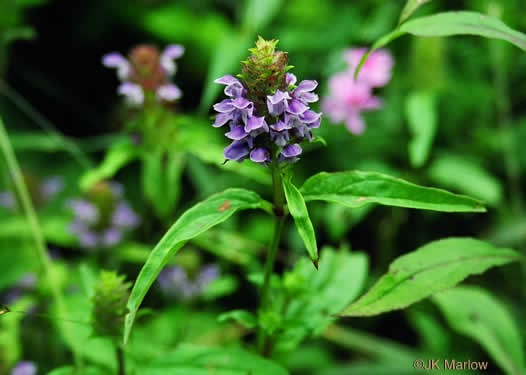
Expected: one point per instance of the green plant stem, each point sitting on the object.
(120, 360)
(38, 236)
(279, 216)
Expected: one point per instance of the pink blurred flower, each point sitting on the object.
(376, 71)
(349, 97)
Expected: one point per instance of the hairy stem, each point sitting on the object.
(279, 216)
(120, 360)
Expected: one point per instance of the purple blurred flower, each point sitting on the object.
(171, 53)
(146, 71)
(106, 225)
(51, 187)
(132, 92)
(349, 97)
(24, 368)
(85, 211)
(124, 217)
(174, 281)
(168, 93)
(119, 62)
(7, 200)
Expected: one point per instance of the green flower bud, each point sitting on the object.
(109, 310)
(264, 71)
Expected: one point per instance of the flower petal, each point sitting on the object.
(260, 155)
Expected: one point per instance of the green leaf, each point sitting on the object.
(421, 115)
(243, 317)
(298, 210)
(195, 360)
(467, 176)
(475, 313)
(316, 295)
(357, 188)
(72, 371)
(196, 220)
(432, 268)
(258, 14)
(410, 7)
(449, 24)
(162, 180)
(116, 157)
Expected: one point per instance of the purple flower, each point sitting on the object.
(7, 200)
(171, 53)
(290, 153)
(234, 88)
(237, 151)
(24, 368)
(277, 103)
(51, 187)
(116, 60)
(234, 110)
(260, 155)
(303, 92)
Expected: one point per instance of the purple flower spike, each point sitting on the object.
(133, 93)
(116, 60)
(171, 53)
(168, 93)
(260, 155)
(266, 111)
(237, 151)
(290, 153)
(24, 368)
(277, 103)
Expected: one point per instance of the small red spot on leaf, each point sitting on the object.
(225, 206)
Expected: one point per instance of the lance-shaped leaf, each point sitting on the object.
(410, 7)
(475, 313)
(357, 188)
(197, 360)
(298, 210)
(452, 23)
(432, 268)
(196, 220)
(116, 158)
